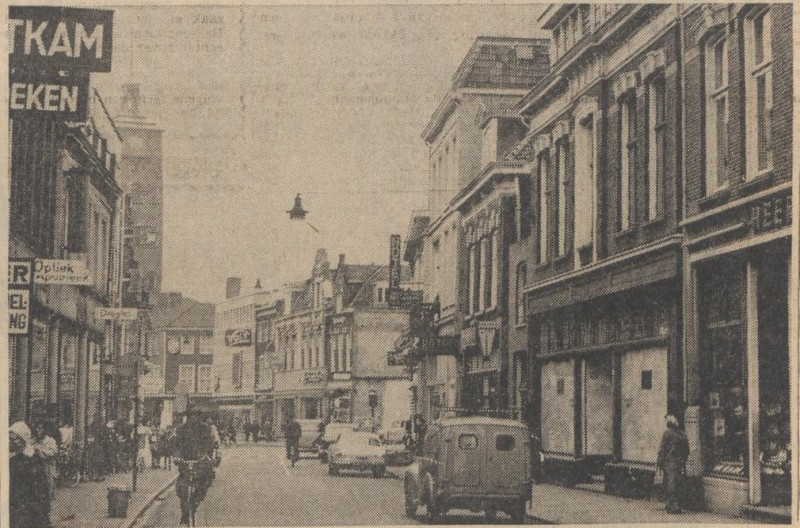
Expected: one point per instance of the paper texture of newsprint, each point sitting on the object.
(380, 264)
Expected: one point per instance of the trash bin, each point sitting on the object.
(118, 499)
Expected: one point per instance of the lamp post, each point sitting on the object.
(143, 305)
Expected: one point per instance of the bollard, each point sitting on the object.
(118, 499)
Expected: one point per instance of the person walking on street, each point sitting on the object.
(255, 430)
(292, 432)
(28, 496)
(46, 447)
(421, 427)
(672, 454)
(247, 430)
(194, 449)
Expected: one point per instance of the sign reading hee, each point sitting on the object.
(20, 287)
(60, 38)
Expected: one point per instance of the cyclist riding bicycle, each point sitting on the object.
(194, 451)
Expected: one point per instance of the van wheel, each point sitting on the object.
(434, 509)
(491, 515)
(411, 499)
(378, 471)
(333, 470)
(518, 511)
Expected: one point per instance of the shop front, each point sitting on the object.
(606, 369)
(299, 394)
(739, 377)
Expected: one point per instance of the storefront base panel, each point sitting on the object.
(724, 496)
(565, 471)
(629, 480)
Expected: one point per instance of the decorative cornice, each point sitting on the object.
(652, 63)
(560, 129)
(585, 107)
(624, 82)
(542, 142)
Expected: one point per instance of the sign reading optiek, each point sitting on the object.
(60, 38)
(50, 271)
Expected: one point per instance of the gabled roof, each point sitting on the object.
(173, 310)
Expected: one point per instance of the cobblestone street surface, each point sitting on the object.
(256, 486)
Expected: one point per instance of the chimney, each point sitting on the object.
(258, 284)
(233, 287)
(341, 260)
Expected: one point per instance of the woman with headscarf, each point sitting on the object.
(29, 501)
(672, 455)
(46, 446)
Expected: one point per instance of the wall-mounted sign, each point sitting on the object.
(239, 337)
(403, 298)
(394, 262)
(314, 376)
(60, 38)
(72, 272)
(20, 287)
(32, 93)
(772, 213)
(116, 314)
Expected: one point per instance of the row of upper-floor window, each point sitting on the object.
(581, 21)
(755, 85)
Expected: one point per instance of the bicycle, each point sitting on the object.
(191, 488)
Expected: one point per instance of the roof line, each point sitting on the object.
(364, 284)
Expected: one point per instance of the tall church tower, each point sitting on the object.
(141, 176)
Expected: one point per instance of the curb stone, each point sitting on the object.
(149, 502)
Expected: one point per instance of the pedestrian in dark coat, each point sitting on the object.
(28, 496)
(194, 446)
(292, 432)
(672, 455)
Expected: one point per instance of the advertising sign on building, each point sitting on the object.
(66, 97)
(20, 286)
(239, 337)
(116, 314)
(60, 38)
(47, 271)
(402, 298)
(394, 262)
(314, 376)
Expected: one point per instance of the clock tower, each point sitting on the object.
(141, 176)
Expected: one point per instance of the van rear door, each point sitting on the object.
(507, 457)
(466, 452)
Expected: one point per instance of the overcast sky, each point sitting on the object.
(259, 103)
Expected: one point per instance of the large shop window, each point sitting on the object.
(758, 90)
(716, 102)
(721, 311)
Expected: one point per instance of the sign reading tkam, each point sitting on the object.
(33, 94)
(20, 285)
(60, 38)
(238, 337)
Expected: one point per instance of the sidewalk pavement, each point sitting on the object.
(86, 505)
(559, 505)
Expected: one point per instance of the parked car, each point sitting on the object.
(309, 435)
(397, 449)
(332, 433)
(357, 451)
(475, 463)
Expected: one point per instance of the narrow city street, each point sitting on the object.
(256, 486)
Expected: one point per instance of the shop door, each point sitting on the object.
(598, 406)
(773, 351)
(644, 403)
(558, 400)
(466, 449)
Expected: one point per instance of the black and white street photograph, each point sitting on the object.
(385, 264)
